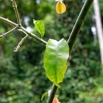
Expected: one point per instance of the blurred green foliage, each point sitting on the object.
(22, 75)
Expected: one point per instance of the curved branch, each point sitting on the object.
(3, 35)
(20, 43)
(34, 36)
(79, 23)
(16, 12)
(21, 27)
(8, 21)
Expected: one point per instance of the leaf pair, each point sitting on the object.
(55, 57)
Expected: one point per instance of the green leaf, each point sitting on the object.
(43, 95)
(55, 60)
(39, 25)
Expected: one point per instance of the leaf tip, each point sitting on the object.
(34, 21)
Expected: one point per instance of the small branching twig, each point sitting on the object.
(8, 21)
(20, 43)
(34, 36)
(23, 29)
(79, 22)
(16, 11)
(3, 35)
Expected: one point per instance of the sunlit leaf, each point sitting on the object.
(55, 60)
(39, 25)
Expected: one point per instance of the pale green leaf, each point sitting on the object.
(39, 25)
(55, 60)
(43, 95)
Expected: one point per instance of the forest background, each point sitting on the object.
(22, 75)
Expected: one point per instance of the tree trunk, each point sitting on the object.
(99, 27)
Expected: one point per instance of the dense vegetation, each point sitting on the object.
(22, 76)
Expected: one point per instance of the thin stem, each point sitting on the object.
(79, 23)
(34, 36)
(20, 43)
(52, 94)
(3, 35)
(16, 12)
(21, 27)
(8, 21)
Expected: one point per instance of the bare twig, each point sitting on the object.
(3, 35)
(16, 11)
(34, 36)
(23, 29)
(20, 43)
(8, 21)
